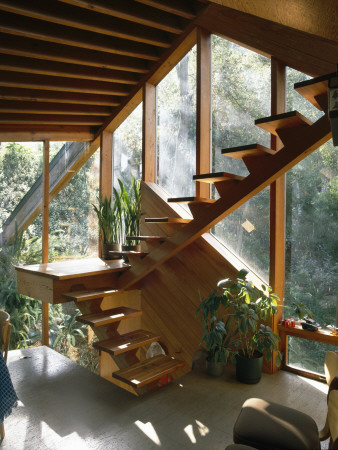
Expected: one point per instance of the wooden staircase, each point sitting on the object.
(300, 137)
(125, 348)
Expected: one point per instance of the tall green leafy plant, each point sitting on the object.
(110, 219)
(131, 201)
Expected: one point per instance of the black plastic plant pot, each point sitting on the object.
(215, 369)
(249, 370)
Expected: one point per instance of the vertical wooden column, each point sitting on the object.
(149, 133)
(45, 236)
(203, 114)
(277, 199)
(106, 163)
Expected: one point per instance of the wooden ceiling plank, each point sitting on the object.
(8, 106)
(49, 119)
(85, 20)
(14, 79)
(177, 7)
(314, 56)
(19, 46)
(132, 12)
(40, 67)
(59, 34)
(14, 133)
(36, 95)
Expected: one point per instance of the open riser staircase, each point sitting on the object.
(300, 137)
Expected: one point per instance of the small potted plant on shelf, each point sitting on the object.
(110, 224)
(245, 337)
(131, 204)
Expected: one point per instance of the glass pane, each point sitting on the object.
(127, 144)
(20, 167)
(241, 94)
(176, 128)
(307, 355)
(311, 236)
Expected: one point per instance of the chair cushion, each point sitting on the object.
(270, 426)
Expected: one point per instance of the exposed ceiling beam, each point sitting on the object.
(36, 95)
(88, 20)
(178, 7)
(49, 119)
(14, 133)
(128, 10)
(32, 65)
(59, 34)
(19, 46)
(14, 79)
(52, 108)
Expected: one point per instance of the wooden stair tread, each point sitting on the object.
(310, 89)
(126, 342)
(109, 316)
(167, 220)
(217, 177)
(247, 150)
(146, 238)
(191, 200)
(147, 371)
(290, 119)
(78, 296)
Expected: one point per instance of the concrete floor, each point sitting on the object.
(64, 406)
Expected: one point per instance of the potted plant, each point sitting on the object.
(214, 335)
(110, 224)
(131, 203)
(247, 338)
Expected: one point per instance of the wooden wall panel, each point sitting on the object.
(170, 294)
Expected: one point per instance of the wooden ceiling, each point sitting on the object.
(66, 65)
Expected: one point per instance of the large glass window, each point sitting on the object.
(127, 145)
(240, 94)
(176, 128)
(311, 236)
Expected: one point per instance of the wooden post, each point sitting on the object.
(203, 114)
(277, 200)
(149, 133)
(45, 235)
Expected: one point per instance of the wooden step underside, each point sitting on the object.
(314, 89)
(147, 239)
(126, 342)
(79, 296)
(167, 220)
(290, 119)
(146, 372)
(109, 316)
(189, 200)
(216, 177)
(247, 151)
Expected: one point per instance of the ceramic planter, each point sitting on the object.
(215, 368)
(106, 248)
(249, 370)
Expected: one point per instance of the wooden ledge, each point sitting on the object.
(318, 336)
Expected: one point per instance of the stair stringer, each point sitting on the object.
(307, 140)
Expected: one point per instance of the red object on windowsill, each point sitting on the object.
(289, 323)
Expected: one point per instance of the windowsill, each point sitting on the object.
(319, 336)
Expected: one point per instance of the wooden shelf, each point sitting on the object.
(312, 89)
(80, 296)
(216, 177)
(189, 200)
(247, 150)
(290, 119)
(147, 239)
(109, 316)
(126, 342)
(167, 220)
(318, 336)
(146, 372)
